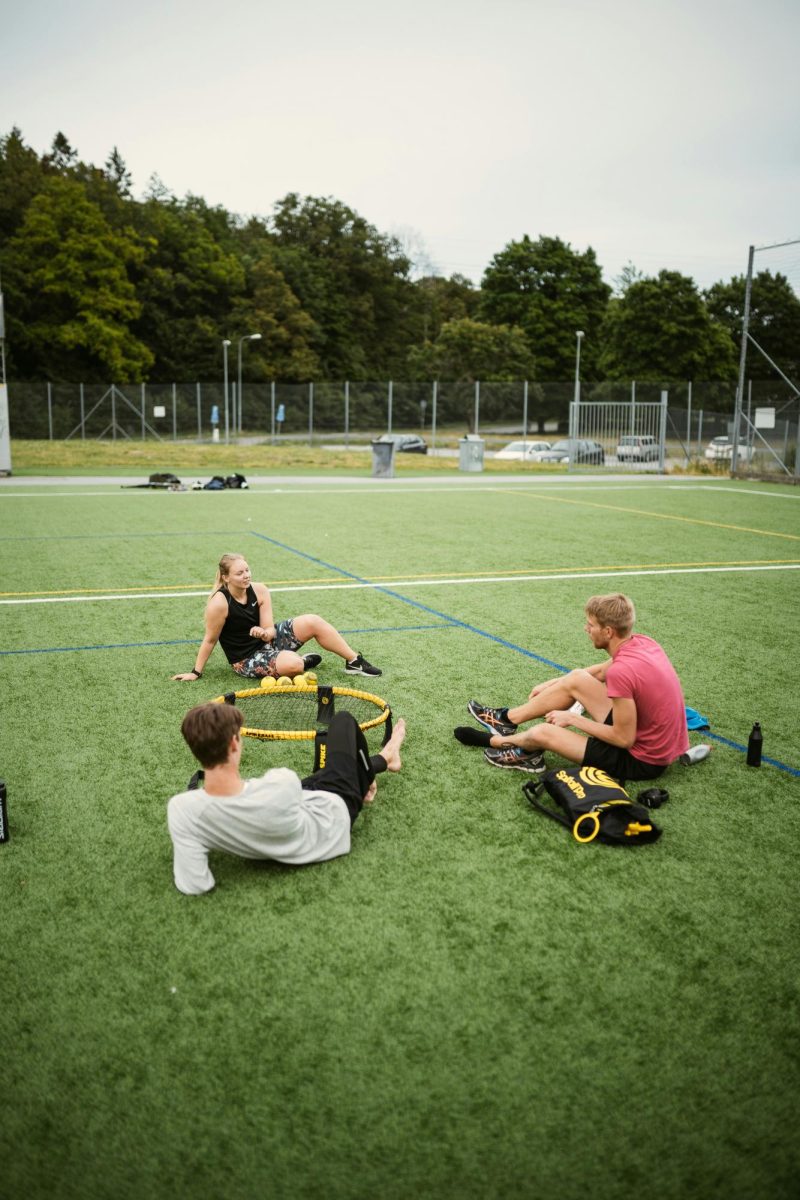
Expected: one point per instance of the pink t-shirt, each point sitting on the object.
(640, 671)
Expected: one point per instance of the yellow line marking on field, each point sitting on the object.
(643, 512)
(146, 589)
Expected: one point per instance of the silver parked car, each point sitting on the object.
(524, 451)
(637, 448)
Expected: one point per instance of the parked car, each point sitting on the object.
(523, 451)
(405, 443)
(637, 448)
(721, 448)
(579, 450)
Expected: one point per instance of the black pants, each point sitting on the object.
(349, 770)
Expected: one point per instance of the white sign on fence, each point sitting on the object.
(765, 418)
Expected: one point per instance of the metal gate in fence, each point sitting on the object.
(627, 435)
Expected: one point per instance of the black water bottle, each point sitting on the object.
(754, 743)
(3, 813)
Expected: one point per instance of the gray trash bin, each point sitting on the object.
(383, 460)
(470, 453)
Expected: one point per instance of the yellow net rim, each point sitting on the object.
(280, 735)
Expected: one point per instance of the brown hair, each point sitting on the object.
(616, 611)
(208, 729)
(224, 570)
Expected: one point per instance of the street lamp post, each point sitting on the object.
(248, 337)
(225, 345)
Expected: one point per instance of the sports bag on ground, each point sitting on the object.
(593, 806)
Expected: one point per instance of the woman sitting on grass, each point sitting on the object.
(239, 617)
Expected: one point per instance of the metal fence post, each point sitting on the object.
(83, 417)
(662, 433)
(272, 410)
(143, 417)
(524, 414)
(113, 413)
(347, 414)
(50, 409)
(174, 412)
(688, 420)
(311, 414)
(433, 413)
(199, 413)
(389, 411)
(477, 406)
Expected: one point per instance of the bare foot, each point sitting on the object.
(371, 792)
(391, 751)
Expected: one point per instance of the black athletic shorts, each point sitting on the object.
(349, 768)
(617, 762)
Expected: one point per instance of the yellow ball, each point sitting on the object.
(299, 681)
(310, 677)
(267, 683)
(285, 681)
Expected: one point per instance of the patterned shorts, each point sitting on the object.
(263, 661)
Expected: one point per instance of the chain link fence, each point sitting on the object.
(700, 416)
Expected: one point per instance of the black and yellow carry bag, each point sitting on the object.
(593, 806)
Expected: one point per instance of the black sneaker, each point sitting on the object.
(491, 718)
(311, 660)
(360, 666)
(516, 759)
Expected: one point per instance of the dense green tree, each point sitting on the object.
(444, 300)
(774, 320)
(354, 283)
(21, 177)
(187, 286)
(466, 350)
(287, 331)
(550, 291)
(70, 301)
(660, 330)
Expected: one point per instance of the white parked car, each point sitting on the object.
(721, 448)
(523, 451)
(638, 448)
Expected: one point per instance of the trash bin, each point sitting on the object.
(470, 453)
(383, 460)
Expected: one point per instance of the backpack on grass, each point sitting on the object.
(593, 806)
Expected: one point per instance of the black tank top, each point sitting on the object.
(235, 638)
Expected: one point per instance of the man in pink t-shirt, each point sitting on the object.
(635, 716)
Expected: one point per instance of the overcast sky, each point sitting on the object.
(661, 132)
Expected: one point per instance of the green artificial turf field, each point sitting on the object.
(470, 1004)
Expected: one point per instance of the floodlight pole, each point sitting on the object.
(225, 344)
(248, 337)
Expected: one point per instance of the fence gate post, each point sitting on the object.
(50, 410)
(662, 433)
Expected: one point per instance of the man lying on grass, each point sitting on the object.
(635, 722)
(278, 816)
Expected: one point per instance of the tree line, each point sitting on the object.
(100, 286)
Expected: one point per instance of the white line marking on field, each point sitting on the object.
(418, 583)
(711, 487)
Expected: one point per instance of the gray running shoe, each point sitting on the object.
(491, 718)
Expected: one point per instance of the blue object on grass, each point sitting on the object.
(694, 720)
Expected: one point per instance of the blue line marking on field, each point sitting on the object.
(491, 637)
(193, 641)
(773, 762)
(86, 537)
(474, 629)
